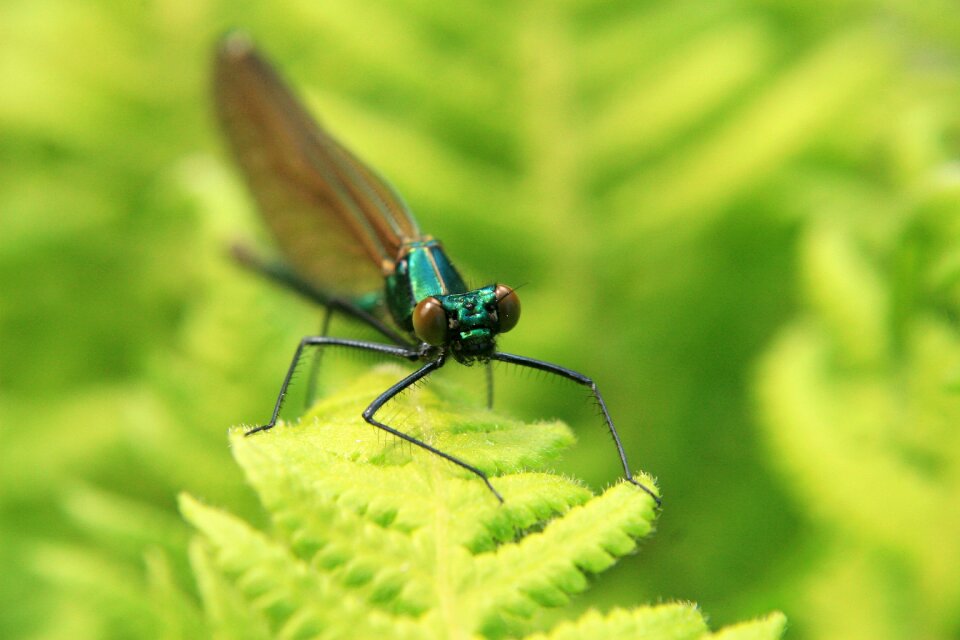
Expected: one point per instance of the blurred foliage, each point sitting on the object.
(861, 406)
(738, 216)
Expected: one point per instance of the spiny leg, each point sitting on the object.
(392, 392)
(325, 341)
(311, 395)
(579, 378)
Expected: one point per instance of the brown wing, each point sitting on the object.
(335, 220)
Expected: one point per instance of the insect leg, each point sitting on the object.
(579, 378)
(325, 341)
(390, 393)
(311, 396)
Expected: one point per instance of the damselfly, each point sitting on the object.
(345, 234)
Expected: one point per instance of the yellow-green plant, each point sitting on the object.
(367, 537)
(660, 163)
(860, 401)
(370, 538)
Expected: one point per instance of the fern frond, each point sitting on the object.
(372, 538)
(664, 622)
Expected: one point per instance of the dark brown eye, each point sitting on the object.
(430, 322)
(508, 305)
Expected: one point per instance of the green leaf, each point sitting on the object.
(371, 537)
(666, 622)
(771, 626)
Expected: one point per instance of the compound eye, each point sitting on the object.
(430, 322)
(508, 307)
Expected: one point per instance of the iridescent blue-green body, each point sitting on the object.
(422, 270)
(346, 235)
(473, 318)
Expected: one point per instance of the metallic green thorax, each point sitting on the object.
(423, 271)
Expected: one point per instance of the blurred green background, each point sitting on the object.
(742, 217)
